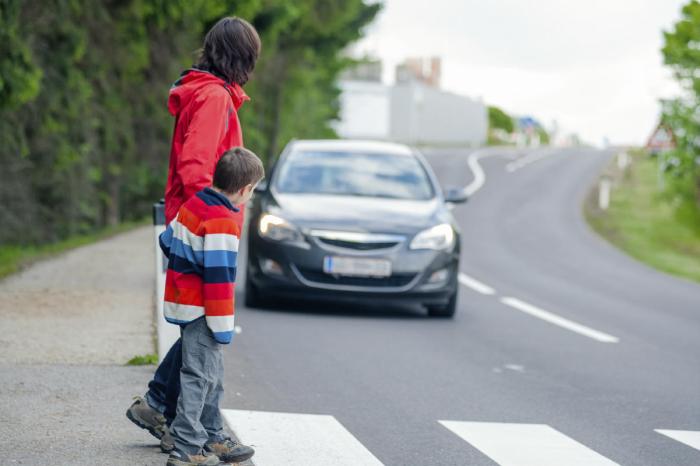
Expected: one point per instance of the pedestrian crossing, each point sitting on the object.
(689, 437)
(293, 439)
(526, 444)
(298, 439)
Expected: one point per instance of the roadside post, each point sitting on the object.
(623, 160)
(604, 193)
(166, 334)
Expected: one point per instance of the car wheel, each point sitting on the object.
(447, 310)
(252, 295)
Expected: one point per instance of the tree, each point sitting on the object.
(84, 129)
(498, 119)
(682, 54)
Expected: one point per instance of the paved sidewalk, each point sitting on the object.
(91, 305)
(67, 326)
(73, 415)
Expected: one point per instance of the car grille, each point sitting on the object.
(395, 280)
(358, 246)
(358, 241)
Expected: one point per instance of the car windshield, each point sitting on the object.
(354, 174)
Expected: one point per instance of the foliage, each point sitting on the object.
(498, 119)
(144, 360)
(84, 129)
(544, 135)
(682, 52)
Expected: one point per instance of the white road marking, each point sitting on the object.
(475, 284)
(515, 367)
(526, 444)
(688, 437)
(559, 321)
(298, 439)
(527, 160)
(479, 176)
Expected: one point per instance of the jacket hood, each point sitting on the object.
(185, 89)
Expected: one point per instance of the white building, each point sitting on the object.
(365, 110)
(422, 114)
(410, 112)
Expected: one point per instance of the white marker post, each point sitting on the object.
(604, 193)
(166, 333)
(623, 159)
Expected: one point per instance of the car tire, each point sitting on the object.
(252, 295)
(445, 311)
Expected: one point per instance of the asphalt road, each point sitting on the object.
(555, 327)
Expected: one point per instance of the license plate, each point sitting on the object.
(354, 266)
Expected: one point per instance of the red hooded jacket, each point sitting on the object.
(206, 125)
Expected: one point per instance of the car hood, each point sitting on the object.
(351, 213)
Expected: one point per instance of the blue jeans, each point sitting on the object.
(164, 389)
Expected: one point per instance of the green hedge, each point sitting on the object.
(84, 130)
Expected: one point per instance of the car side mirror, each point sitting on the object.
(456, 195)
(261, 187)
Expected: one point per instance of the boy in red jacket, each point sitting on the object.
(205, 102)
(201, 244)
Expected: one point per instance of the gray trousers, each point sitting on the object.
(198, 419)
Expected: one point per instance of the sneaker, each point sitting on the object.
(166, 442)
(230, 451)
(179, 458)
(141, 414)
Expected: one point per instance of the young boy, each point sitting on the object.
(201, 244)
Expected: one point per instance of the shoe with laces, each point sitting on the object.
(180, 458)
(141, 414)
(230, 451)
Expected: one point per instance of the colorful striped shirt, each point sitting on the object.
(201, 244)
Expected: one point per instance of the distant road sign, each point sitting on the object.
(661, 139)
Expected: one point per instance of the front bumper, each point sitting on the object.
(302, 276)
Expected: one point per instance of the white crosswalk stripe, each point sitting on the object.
(525, 444)
(319, 440)
(688, 437)
(298, 439)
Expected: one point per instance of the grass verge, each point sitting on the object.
(14, 258)
(145, 360)
(644, 224)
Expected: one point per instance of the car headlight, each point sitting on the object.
(278, 229)
(438, 237)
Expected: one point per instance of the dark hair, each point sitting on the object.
(231, 48)
(237, 168)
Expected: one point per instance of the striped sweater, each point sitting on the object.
(201, 244)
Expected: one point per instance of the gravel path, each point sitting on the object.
(67, 326)
(72, 415)
(92, 305)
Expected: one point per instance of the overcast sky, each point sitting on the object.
(594, 66)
